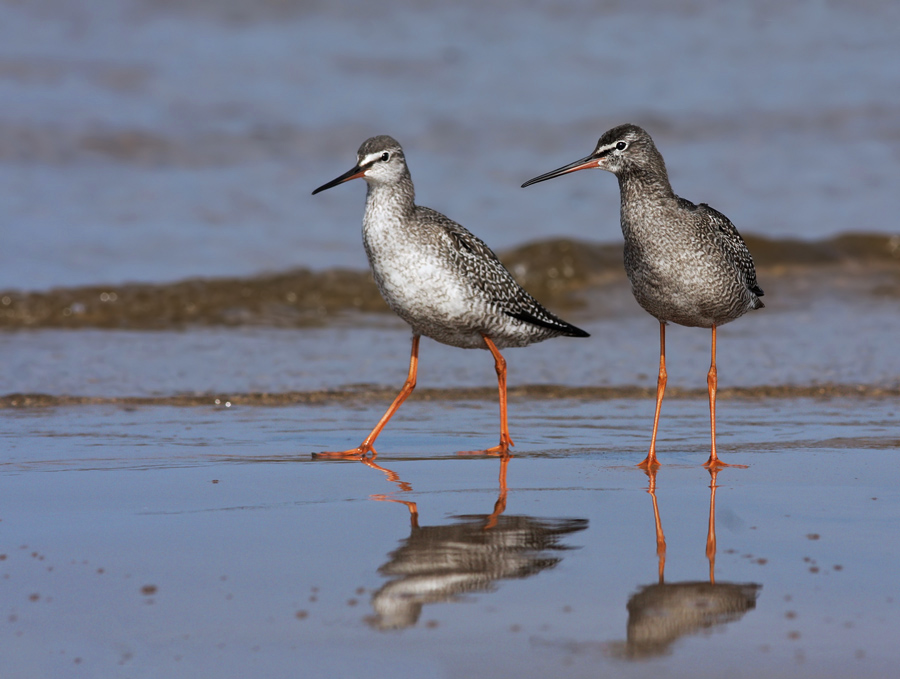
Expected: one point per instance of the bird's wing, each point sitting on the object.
(733, 246)
(484, 270)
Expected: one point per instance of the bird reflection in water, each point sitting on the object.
(661, 613)
(442, 563)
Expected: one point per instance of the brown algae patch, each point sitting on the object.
(293, 299)
(562, 273)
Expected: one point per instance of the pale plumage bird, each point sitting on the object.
(438, 277)
(443, 563)
(687, 263)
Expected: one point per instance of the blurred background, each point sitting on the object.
(153, 140)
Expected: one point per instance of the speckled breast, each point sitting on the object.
(686, 289)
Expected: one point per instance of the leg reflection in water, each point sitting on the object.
(393, 477)
(443, 563)
(661, 613)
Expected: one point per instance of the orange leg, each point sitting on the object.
(500, 365)
(366, 447)
(712, 383)
(650, 461)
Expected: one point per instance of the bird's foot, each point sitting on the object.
(649, 462)
(500, 450)
(361, 452)
(716, 463)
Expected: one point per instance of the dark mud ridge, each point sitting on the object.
(561, 273)
(542, 392)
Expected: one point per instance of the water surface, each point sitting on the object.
(150, 140)
(148, 541)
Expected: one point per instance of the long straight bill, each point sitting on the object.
(353, 173)
(583, 164)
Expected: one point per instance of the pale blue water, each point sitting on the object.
(237, 531)
(151, 140)
(821, 343)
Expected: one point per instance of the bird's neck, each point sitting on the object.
(387, 219)
(645, 193)
(389, 202)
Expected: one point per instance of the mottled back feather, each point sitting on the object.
(484, 270)
(733, 246)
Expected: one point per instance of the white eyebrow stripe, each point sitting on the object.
(605, 149)
(369, 159)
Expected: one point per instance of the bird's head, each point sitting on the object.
(623, 148)
(379, 161)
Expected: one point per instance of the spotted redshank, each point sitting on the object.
(687, 263)
(438, 277)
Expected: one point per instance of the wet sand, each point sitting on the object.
(183, 542)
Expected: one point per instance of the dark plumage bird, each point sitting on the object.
(687, 263)
(438, 277)
(661, 613)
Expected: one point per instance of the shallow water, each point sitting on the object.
(151, 140)
(802, 339)
(186, 542)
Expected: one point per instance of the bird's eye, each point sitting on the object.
(385, 156)
(621, 146)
